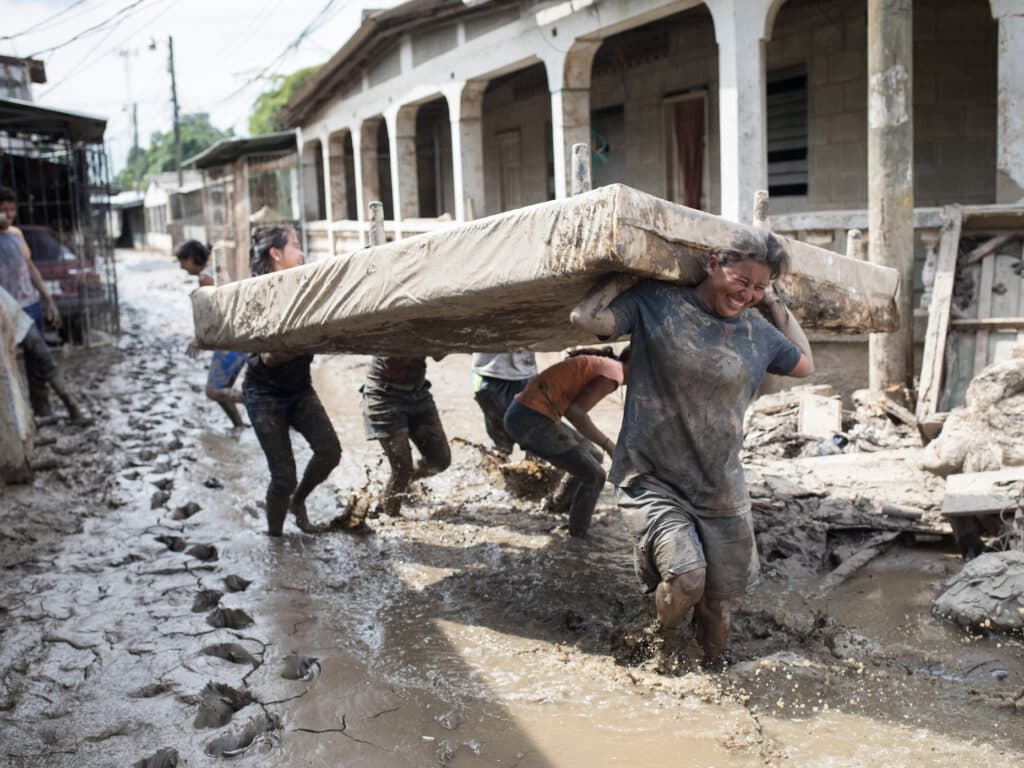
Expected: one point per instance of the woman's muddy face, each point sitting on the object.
(289, 256)
(735, 287)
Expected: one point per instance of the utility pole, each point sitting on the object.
(127, 55)
(174, 103)
(136, 159)
(891, 178)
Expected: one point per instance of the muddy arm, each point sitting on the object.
(592, 314)
(778, 314)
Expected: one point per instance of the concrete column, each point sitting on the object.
(364, 145)
(891, 178)
(357, 162)
(1010, 128)
(402, 132)
(337, 195)
(740, 30)
(465, 112)
(325, 157)
(569, 81)
(395, 158)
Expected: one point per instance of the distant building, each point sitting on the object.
(17, 76)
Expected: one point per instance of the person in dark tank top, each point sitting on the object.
(279, 395)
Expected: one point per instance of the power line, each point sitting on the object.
(116, 16)
(45, 24)
(293, 45)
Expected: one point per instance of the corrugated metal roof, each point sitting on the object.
(228, 150)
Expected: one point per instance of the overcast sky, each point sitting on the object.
(218, 46)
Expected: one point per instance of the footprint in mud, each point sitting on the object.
(297, 667)
(159, 499)
(213, 482)
(164, 483)
(229, 618)
(150, 691)
(162, 758)
(256, 731)
(173, 543)
(172, 443)
(206, 600)
(231, 652)
(218, 703)
(235, 583)
(204, 552)
(185, 511)
(128, 559)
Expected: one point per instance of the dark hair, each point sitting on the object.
(758, 245)
(195, 251)
(7, 195)
(622, 357)
(263, 239)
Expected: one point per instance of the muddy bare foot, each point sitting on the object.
(302, 521)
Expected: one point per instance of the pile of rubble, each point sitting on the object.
(878, 422)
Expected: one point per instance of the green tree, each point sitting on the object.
(266, 111)
(197, 134)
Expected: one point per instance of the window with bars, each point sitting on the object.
(787, 131)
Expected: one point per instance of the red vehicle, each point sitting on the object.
(75, 288)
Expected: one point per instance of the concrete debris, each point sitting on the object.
(987, 594)
(988, 433)
(773, 425)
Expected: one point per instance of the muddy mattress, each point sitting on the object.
(509, 281)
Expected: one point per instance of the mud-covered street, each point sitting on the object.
(147, 618)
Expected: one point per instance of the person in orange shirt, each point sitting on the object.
(570, 389)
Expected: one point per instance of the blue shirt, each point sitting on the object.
(691, 376)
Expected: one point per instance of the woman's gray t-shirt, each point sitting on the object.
(691, 376)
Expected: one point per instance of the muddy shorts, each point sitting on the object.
(391, 411)
(671, 540)
(224, 369)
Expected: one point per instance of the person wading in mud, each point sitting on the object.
(570, 389)
(20, 278)
(194, 258)
(698, 356)
(499, 378)
(279, 395)
(398, 409)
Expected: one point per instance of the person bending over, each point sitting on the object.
(570, 389)
(194, 258)
(279, 395)
(698, 356)
(398, 409)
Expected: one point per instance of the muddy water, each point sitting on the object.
(472, 631)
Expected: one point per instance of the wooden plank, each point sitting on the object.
(989, 246)
(988, 268)
(930, 386)
(979, 493)
(987, 324)
(1005, 303)
(1020, 306)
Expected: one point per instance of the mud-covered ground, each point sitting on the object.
(143, 609)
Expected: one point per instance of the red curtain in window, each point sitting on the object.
(689, 118)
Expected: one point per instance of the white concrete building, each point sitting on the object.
(470, 108)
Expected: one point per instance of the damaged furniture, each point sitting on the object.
(507, 282)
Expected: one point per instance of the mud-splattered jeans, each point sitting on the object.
(566, 449)
(272, 412)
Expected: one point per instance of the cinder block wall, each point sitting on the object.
(954, 99)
